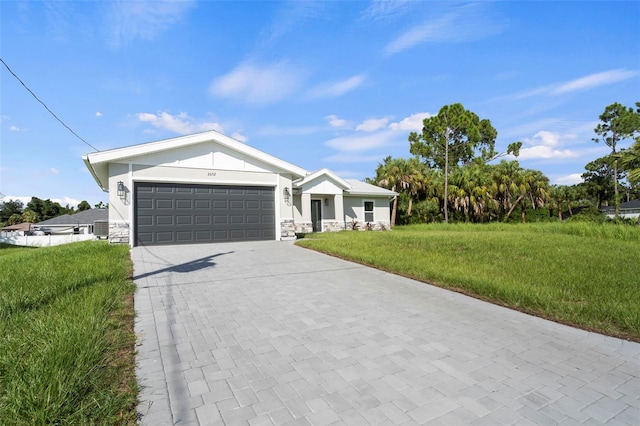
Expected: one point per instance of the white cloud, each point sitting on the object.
(98, 114)
(131, 20)
(372, 124)
(286, 131)
(341, 158)
(181, 124)
(339, 88)
(587, 82)
(14, 129)
(254, 84)
(372, 134)
(546, 145)
(465, 23)
(594, 80)
(358, 142)
(54, 171)
(240, 137)
(571, 179)
(384, 9)
(413, 123)
(337, 123)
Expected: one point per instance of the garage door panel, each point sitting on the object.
(203, 204)
(184, 220)
(222, 235)
(164, 220)
(184, 236)
(220, 220)
(164, 237)
(164, 204)
(184, 204)
(145, 203)
(203, 220)
(186, 213)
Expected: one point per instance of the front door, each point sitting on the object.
(316, 215)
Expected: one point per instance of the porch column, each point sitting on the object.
(306, 207)
(339, 206)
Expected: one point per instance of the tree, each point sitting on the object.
(29, 216)
(83, 206)
(9, 208)
(399, 175)
(452, 137)
(46, 209)
(629, 160)
(617, 124)
(598, 180)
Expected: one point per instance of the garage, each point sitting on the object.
(176, 213)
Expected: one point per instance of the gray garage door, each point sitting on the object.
(170, 213)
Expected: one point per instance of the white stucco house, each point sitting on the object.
(208, 187)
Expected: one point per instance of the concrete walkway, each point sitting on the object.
(269, 333)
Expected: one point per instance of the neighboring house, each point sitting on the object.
(208, 187)
(629, 210)
(79, 223)
(20, 229)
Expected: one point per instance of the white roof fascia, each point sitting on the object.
(119, 154)
(104, 186)
(361, 189)
(341, 182)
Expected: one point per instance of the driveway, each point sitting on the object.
(269, 333)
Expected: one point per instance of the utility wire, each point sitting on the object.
(45, 106)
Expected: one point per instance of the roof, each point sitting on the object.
(91, 215)
(633, 204)
(323, 172)
(87, 217)
(362, 188)
(25, 226)
(98, 162)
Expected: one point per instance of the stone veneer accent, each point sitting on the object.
(118, 233)
(303, 227)
(287, 229)
(332, 226)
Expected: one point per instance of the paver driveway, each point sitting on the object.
(270, 333)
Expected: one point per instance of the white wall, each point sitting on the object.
(46, 240)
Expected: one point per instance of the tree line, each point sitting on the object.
(37, 210)
(450, 178)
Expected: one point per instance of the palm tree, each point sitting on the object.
(394, 174)
(630, 161)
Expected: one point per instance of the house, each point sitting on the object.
(20, 229)
(629, 210)
(80, 223)
(208, 187)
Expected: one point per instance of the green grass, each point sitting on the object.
(66, 335)
(586, 275)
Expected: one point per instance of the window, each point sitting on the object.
(368, 211)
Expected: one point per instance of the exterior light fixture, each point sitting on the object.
(121, 193)
(286, 194)
(326, 201)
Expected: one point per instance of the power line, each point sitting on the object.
(45, 106)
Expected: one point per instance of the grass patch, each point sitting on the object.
(66, 333)
(580, 274)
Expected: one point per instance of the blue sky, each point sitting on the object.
(319, 84)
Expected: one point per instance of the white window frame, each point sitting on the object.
(372, 211)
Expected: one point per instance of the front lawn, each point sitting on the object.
(66, 335)
(586, 275)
